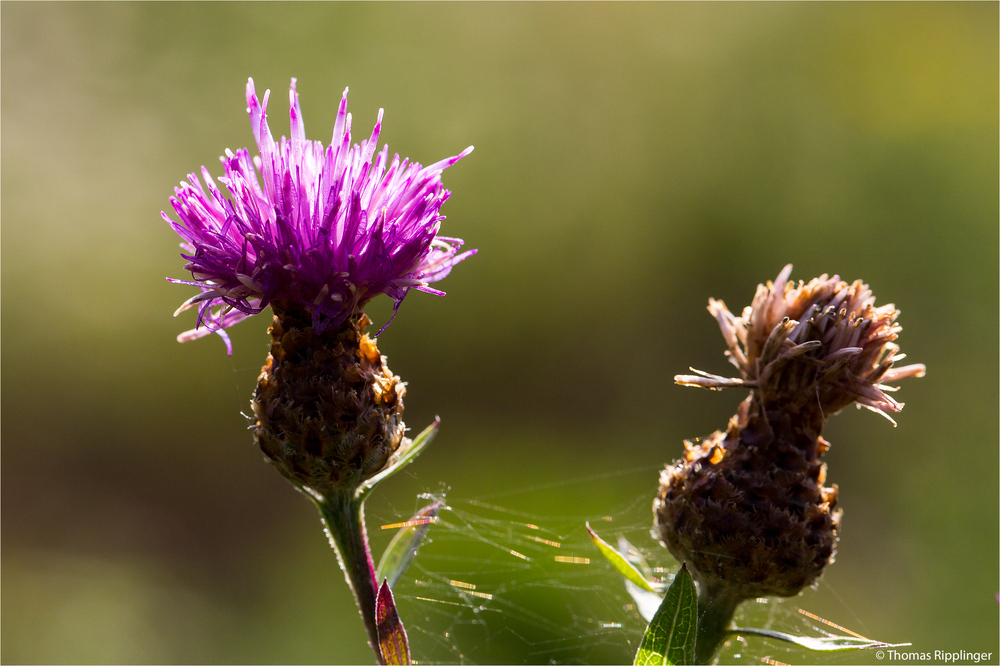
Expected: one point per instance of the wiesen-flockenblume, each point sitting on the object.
(746, 507)
(321, 228)
(315, 232)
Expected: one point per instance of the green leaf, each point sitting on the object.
(632, 554)
(403, 547)
(646, 602)
(670, 637)
(621, 565)
(392, 643)
(408, 452)
(819, 644)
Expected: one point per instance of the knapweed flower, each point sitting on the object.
(319, 228)
(315, 232)
(746, 508)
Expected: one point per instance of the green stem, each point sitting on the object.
(344, 517)
(715, 611)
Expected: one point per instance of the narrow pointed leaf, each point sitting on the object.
(819, 644)
(646, 602)
(621, 565)
(403, 547)
(670, 636)
(392, 643)
(632, 554)
(409, 451)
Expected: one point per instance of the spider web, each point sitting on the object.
(493, 583)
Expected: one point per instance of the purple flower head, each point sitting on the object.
(324, 228)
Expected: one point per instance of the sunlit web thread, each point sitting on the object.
(772, 662)
(470, 607)
(592, 478)
(459, 626)
(832, 624)
(471, 543)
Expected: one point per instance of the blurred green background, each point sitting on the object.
(631, 161)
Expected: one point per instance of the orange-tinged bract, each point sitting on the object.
(329, 413)
(746, 508)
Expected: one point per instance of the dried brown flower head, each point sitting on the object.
(746, 508)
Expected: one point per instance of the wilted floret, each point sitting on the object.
(823, 342)
(325, 228)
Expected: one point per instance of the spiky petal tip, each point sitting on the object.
(326, 228)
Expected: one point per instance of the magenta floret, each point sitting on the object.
(325, 227)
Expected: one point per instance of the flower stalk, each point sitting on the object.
(343, 517)
(715, 611)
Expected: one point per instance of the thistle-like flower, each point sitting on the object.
(746, 508)
(315, 232)
(315, 228)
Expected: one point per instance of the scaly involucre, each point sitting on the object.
(323, 227)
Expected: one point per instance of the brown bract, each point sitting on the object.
(329, 413)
